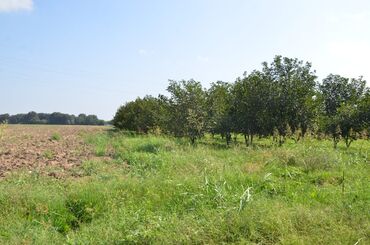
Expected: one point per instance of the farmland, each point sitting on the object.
(91, 185)
(43, 148)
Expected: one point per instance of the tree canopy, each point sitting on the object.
(284, 99)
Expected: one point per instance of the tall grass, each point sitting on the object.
(164, 191)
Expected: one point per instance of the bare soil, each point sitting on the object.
(44, 148)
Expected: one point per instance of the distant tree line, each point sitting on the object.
(53, 118)
(283, 100)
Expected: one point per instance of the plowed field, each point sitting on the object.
(41, 148)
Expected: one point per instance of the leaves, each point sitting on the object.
(283, 100)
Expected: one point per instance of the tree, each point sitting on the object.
(31, 118)
(341, 97)
(4, 118)
(186, 109)
(43, 118)
(219, 114)
(15, 119)
(140, 115)
(58, 118)
(364, 112)
(292, 87)
(334, 90)
(348, 121)
(80, 119)
(90, 120)
(251, 101)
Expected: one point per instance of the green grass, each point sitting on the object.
(164, 191)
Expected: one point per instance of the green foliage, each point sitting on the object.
(140, 115)
(220, 110)
(186, 109)
(283, 100)
(250, 104)
(364, 111)
(292, 86)
(4, 118)
(341, 98)
(337, 90)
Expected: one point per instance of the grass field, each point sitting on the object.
(159, 190)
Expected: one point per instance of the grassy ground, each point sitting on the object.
(147, 189)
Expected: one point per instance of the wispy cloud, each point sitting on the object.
(15, 5)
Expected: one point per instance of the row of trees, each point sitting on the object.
(283, 100)
(53, 118)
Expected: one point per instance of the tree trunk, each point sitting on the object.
(246, 139)
(228, 138)
(304, 131)
(281, 140)
(192, 139)
(348, 141)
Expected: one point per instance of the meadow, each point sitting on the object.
(150, 189)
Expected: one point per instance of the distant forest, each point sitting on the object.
(53, 118)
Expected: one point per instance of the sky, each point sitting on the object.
(91, 56)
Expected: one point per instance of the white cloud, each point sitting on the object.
(202, 59)
(15, 5)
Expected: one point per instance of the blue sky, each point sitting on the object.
(91, 56)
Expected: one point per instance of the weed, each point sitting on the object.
(48, 154)
(81, 211)
(56, 137)
(89, 168)
(245, 198)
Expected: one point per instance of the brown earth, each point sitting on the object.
(43, 148)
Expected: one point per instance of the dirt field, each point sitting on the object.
(44, 148)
